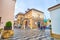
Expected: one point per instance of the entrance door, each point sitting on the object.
(27, 25)
(38, 24)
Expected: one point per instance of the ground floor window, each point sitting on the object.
(0, 20)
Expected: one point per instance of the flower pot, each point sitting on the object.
(7, 28)
(5, 35)
(11, 32)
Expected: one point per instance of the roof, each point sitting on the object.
(33, 9)
(54, 7)
(20, 13)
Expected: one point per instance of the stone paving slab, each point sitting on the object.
(30, 35)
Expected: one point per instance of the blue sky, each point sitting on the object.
(43, 5)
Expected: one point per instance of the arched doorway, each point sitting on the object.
(26, 23)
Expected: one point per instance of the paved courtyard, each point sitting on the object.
(33, 34)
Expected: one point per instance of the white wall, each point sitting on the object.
(55, 18)
(7, 14)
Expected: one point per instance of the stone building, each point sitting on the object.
(32, 19)
(6, 11)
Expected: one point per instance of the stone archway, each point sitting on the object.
(26, 23)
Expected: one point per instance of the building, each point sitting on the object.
(55, 20)
(31, 19)
(6, 11)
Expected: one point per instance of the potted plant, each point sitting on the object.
(8, 25)
(8, 32)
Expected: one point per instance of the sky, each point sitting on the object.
(42, 5)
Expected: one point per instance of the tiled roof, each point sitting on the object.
(34, 9)
(20, 13)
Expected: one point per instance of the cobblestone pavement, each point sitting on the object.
(33, 34)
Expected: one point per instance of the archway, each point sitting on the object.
(26, 24)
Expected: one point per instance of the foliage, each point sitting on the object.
(8, 24)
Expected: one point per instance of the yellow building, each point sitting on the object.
(30, 19)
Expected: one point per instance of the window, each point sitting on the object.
(0, 19)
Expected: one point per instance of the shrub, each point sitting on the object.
(8, 24)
